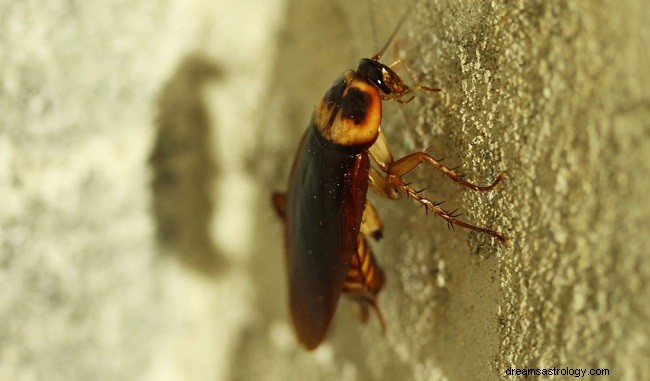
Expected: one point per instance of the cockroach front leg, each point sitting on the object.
(392, 183)
(400, 60)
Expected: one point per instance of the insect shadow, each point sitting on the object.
(183, 170)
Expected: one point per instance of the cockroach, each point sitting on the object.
(326, 215)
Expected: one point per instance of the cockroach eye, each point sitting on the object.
(377, 79)
(373, 72)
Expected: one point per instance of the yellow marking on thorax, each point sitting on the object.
(339, 129)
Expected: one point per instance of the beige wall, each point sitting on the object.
(138, 145)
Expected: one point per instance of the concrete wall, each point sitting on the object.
(139, 143)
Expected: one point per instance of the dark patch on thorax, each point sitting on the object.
(354, 105)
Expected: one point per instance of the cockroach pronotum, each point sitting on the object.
(326, 214)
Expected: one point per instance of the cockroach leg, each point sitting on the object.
(397, 56)
(377, 182)
(365, 280)
(399, 60)
(380, 152)
(280, 203)
(371, 225)
(406, 164)
(402, 101)
(450, 217)
(413, 89)
(391, 184)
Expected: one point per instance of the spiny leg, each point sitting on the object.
(406, 164)
(391, 184)
(450, 217)
(381, 154)
(365, 280)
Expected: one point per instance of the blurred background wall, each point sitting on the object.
(139, 143)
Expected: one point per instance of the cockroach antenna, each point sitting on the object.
(373, 25)
(378, 54)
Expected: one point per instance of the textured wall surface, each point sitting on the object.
(139, 144)
(120, 255)
(554, 94)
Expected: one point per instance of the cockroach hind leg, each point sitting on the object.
(362, 308)
(280, 203)
(380, 316)
(364, 281)
(450, 217)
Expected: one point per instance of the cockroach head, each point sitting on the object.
(382, 77)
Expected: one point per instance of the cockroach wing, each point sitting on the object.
(327, 193)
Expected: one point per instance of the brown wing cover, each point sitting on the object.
(324, 205)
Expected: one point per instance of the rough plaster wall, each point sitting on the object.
(555, 94)
(113, 263)
(120, 121)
